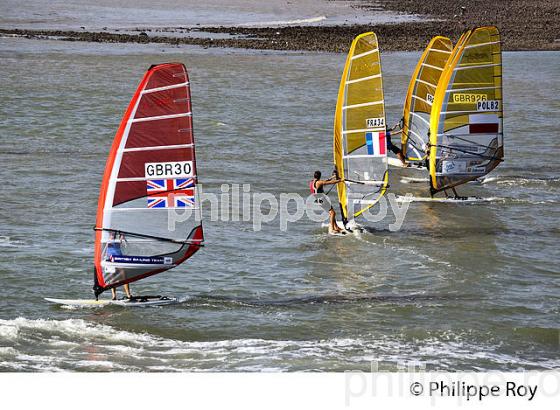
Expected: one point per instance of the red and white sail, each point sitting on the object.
(148, 217)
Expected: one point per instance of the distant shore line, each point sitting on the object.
(394, 37)
(532, 26)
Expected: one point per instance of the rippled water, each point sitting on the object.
(73, 14)
(459, 287)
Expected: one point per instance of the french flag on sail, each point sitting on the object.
(376, 144)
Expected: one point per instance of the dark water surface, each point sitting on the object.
(459, 287)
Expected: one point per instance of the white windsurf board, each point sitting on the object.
(395, 162)
(136, 301)
(460, 200)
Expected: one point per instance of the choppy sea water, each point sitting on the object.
(459, 287)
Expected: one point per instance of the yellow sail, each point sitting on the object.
(420, 97)
(466, 123)
(360, 151)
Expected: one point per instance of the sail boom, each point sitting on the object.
(368, 182)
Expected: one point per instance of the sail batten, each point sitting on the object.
(494, 87)
(157, 147)
(371, 77)
(150, 171)
(167, 87)
(418, 80)
(346, 107)
(482, 44)
(432, 66)
(367, 53)
(161, 117)
(474, 65)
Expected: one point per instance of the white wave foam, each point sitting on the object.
(8, 331)
(488, 180)
(79, 307)
(519, 181)
(413, 180)
(7, 242)
(278, 23)
(102, 347)
(8, 352)
(532, 202)
(452, 201)
(75, 329)
(97, 365)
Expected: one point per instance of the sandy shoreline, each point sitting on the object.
(531, 25)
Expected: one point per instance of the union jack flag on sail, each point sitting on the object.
(170, 193)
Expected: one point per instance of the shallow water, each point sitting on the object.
(73, 14)
(459, 287)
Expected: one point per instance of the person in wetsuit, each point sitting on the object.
(393, 148)
(316, 186)
(114, 248)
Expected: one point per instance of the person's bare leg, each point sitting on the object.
(400, 156)
(127, 291)
(113, 294)
(332, 220)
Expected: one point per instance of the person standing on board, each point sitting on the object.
(316, 186)
(393, 148)
(114, 248)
